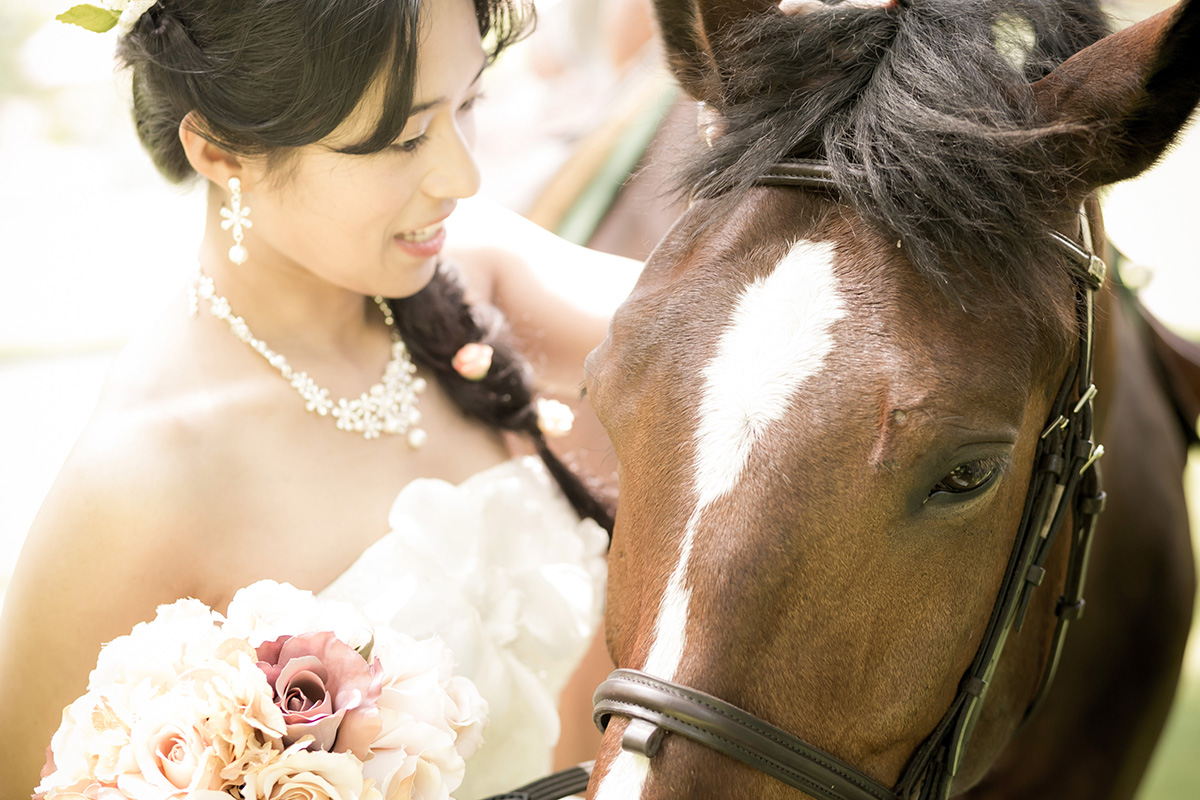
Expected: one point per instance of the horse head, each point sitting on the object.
(828, 403)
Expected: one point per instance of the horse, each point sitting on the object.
(861, 387)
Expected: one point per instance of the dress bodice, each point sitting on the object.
(504, 571)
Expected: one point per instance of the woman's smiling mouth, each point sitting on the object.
(423, 243)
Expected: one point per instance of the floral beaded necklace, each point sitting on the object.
(389, 406)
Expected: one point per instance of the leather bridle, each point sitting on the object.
(1066, 481)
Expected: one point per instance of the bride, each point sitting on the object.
(335, 140)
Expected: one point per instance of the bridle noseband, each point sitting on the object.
(1066, 479)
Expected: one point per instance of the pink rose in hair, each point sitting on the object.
(473, 361)
(325, 690)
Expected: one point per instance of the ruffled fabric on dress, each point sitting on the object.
(503, 570)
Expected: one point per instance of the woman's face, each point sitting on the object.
(372, 223)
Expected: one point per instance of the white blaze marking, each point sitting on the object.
(778, 336)
(625, 778)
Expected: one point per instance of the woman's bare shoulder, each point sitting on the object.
(122, 530)
(132, 492)
(126, 502)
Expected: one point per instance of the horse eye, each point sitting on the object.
(967, 477)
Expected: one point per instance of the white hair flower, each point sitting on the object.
(554, 418)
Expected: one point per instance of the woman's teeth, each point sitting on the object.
(423, 235)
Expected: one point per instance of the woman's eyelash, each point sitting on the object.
(471, 101)
(410, 145)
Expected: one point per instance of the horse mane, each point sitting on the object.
(924, 111)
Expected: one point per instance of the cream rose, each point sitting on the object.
(171, 750)
(301, 774)
(244, 724)
(418, 779)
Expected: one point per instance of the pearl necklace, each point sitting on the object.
(389, 406)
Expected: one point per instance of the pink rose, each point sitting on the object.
(325, 690)
(473, 361)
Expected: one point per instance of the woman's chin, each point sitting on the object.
(412, 280)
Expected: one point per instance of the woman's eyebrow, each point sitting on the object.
(422, 107)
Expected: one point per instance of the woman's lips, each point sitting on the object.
(423, 243)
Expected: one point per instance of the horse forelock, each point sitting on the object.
(926, 115)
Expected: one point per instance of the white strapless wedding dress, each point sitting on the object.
(504, 571)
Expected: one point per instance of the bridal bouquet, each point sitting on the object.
(286, 697)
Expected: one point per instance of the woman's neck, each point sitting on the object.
(282, 302)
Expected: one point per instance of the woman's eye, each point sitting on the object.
(967, 477)
(410, 145)
(469, 104)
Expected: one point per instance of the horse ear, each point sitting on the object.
(1122, 100)
(689, 27)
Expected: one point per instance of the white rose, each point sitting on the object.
(298, 774)
(467, 713)
(92, 741)
(432, 720)
(555, 419)
(266, 610)
(182, 635)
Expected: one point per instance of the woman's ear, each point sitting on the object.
(206, 158)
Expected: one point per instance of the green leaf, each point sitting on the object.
(90, 17)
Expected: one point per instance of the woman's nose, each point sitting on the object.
(454, 173)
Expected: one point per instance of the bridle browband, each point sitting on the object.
(1066, 479)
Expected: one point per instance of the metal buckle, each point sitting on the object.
(642, 737)
(1097, 270)
(1095, 455)
(1089, 266)
(1061, 422)
(1087, 396)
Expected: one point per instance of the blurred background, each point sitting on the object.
(94, 241)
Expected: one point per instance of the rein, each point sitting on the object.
(1066, 479)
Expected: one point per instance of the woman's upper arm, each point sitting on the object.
(97, 560)
(557, 297)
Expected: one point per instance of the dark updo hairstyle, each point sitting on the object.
(265, 76)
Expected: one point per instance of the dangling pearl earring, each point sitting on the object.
(237, 218)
